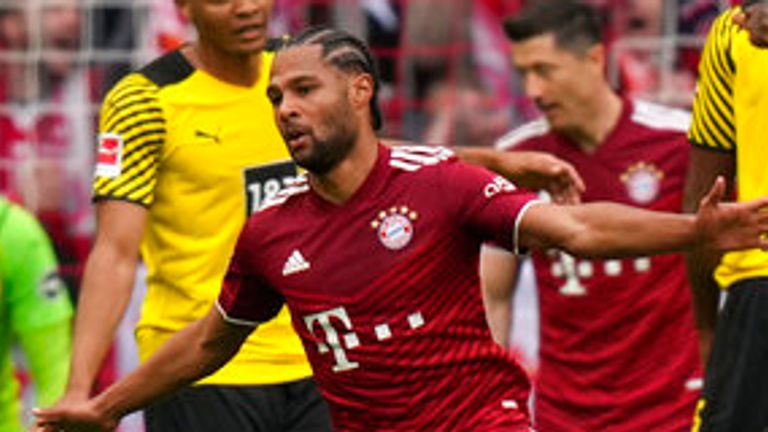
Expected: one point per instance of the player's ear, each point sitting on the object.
(361, 90)
(596, 53)
(740, 19)
(597, 56)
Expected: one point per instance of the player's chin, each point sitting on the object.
(250, 46)
(301, 155)
(760, 42)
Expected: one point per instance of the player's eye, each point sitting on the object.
(304, 90)
(274, 96)
(544, 71)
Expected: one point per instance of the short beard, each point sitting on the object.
(327, 153)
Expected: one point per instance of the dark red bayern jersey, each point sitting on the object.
(384, 292)
(618, 347)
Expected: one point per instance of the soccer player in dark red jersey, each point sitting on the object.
(607, 326)
(376, 253)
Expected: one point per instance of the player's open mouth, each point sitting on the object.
(250, 32)
(295, 137)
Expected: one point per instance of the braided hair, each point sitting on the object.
(747, 3)
(347, 53)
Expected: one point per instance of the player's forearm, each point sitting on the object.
(499, 321)
(104, 296)
(705, 296)
(477, 155)
(530, 169)
(613, 230)
(498, 273)
(511, 166)
(188, 356)
(704, 289)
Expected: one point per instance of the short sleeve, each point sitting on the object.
(489, 205)
(245, 297)
(33, 293)
(131, 134)
(712, 124)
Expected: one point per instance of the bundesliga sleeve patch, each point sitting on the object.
(51, 286)
(109, 159)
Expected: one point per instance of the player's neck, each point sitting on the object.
(341, 183)
(236, 69)
(598, 121)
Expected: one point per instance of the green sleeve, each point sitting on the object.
(36, 304)
(48, 351)
(34, 295)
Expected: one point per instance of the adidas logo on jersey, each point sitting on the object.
(295, 263)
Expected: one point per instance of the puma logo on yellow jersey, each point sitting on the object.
(207, 136)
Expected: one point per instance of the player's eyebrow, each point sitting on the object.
(292, 81)
(301, 79)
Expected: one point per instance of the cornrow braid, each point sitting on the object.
(347, 53)
(747, 3)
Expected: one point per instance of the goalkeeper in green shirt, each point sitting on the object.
(35, 313)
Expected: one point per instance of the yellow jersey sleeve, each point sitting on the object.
(132, 131)
(713, 123)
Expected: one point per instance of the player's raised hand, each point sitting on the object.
(731, 226)
(542, 171)
(531, 170)
(73, 417)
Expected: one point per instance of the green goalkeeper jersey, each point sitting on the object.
(35, 313)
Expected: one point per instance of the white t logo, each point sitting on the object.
(572, 286)
(332, 336)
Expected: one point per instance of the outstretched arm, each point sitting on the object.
(193, 353)
(615, 230)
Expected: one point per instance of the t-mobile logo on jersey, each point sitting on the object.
(382, 332)
(332, 339)
(574, 271)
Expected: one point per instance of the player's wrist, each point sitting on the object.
(81, 382)
(107, 408)
(485, 157)
(78, 391)
(698, 235)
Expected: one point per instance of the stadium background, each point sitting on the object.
(444, 66)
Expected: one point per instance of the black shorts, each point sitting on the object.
(291, 407)
(735, 395)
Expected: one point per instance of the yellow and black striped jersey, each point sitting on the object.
(200, 154)
(729, 114)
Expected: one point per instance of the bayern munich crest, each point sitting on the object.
(643, 181)
(394, 227)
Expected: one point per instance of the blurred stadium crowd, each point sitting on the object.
(444, 65)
